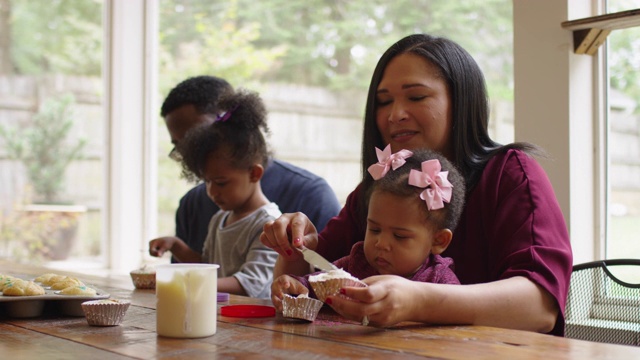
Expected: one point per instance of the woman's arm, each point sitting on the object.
(292, 231)
(515, 303)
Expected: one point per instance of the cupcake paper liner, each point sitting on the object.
(143, 280)
(325, 288)
(105, 312)
(300, 307)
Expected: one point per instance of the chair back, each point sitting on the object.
(601, 307)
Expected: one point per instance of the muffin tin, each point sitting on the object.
(34, 306)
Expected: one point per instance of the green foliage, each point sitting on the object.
(57, 36)
(326, 43)
(624, 67)
(43, 146)
(217, 44)
(329, 43)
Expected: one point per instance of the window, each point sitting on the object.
(119, 59)
(623, 145)
(51, 131)
(611, 85)
(613, 88)
(312, 68)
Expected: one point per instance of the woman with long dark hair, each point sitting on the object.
(511, 248)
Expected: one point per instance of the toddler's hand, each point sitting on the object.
(157, 247)
(285, 284)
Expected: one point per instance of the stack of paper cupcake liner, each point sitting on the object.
(331, 287)
(300, 307)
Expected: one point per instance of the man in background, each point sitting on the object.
(193, 103)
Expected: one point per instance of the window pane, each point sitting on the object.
(51, 122)
(312, 61)
(623, 203)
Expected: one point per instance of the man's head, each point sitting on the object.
(191, 103)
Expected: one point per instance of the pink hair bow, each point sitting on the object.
(386, 160)
(438, 188)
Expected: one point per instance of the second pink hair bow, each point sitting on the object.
(387, 161)
(438, 188)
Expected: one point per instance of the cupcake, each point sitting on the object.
(78, 290)
(65, 283)
(6, 280)
(144, 278)
(107, 312)
(300, 307)
(19, 287)
(45, 278)
(329, 283)
(50, 280)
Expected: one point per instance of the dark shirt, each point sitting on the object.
(290, 187)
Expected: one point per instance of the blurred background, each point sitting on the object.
(310, 60)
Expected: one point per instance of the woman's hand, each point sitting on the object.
(514, 303)
(387, 300)
(285, 284)
(288, 233)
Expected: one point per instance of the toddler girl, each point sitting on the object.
(413, 207)
(231, 155)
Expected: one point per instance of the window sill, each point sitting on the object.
(589, 33)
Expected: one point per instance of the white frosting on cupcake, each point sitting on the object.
(332, 274)
(145, 269)
(329, 283)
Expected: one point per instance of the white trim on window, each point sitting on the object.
(152, 111)
(129, 89)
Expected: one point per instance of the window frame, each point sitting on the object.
(130, 75)
(564, 118)
(577, 134)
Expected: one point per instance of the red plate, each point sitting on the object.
(248, 311)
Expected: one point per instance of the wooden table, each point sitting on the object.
(329, 337)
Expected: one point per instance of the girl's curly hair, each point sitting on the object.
(239, 130)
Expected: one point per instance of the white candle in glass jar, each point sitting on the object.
(186, 300)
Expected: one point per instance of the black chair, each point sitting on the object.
(601, 307)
